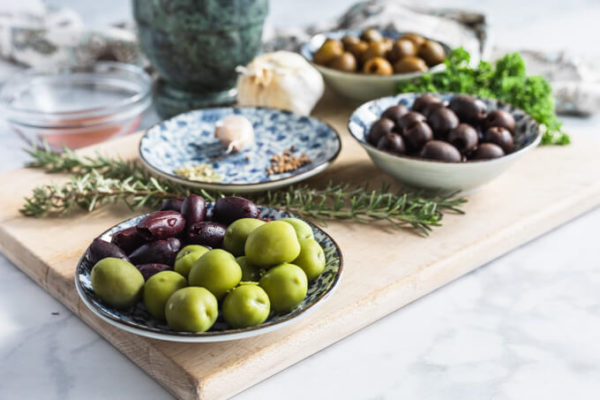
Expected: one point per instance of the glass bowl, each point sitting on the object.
(76, 107)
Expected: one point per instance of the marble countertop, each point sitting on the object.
(524, 326)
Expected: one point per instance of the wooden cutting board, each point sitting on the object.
(384, 269)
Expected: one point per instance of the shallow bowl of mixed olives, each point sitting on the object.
(198, 271)
(364, 65)
(448, 141)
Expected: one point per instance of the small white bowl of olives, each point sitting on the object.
(450, 142)
(365, 65)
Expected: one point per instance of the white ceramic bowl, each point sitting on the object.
(438, 175)
(356, 86)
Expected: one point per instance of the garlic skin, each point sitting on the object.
(235, 132)
(281, 79)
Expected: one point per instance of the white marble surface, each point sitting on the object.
(525, 326)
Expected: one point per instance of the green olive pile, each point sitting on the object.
(459, 131)
(234, 264)
(372, 53)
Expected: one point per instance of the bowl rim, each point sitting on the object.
(23, 79)
(305, 51)
(209, 336)
(315, 169)
(368, 146)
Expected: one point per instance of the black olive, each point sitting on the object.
(468, 109)
(395, 113)
(464, 138)
(431, 107)
(409, 119)
(393, 143)
(424, 100)
(442, 120)
(487, 151)
(499, 136)
(442, 151)
(417, 135)
(380, 128)
(500, 118)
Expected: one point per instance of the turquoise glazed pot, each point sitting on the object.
(196, 45)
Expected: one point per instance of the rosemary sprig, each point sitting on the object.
(96, 181)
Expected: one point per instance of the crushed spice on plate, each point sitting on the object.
(287, 162)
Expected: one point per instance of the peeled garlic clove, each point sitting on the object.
(235, 132)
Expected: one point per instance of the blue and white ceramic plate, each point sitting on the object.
(137, 319)
(188, 139)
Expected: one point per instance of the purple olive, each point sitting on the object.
(173, 204)
(193, 209)
(442, 151)
(442, 120)
(424, 101)
(100, 249)
(380, 128)
(128, 239)
(161, 225)
(487, 151)
(394, 113)
(409, 119)
(148, 270)
(392, 143)
(229, 209)
(500, 118)
(468, 109)
(464, 137)
(160, 252)
(207, 233)
(501, 137)
(417, 135)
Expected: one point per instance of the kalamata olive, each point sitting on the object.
(408, 119)
(418, 40)
(424, 100)
(229, 209)
(159, 252)
(206, 233)
(468, 109)
(442, 151)
(432, 52)
(488, 151)
(500, 118)
(402, 48)
(381, 127)
(346, 62)
(378, 66)
(464, 138)
(417, 135)
(442, 120)
(173, 204)
(100, 249)
(393, 143)
(499, 136)
(371, 35)
(376, 49)
(161, 225)
(128, 239)
(148, 270)
(410, 64)
(193, 209)
(394, 113)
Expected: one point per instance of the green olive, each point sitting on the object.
(303, 230)
(286, 285)
(402, 48)
(329, 51)
(272, 243)
(418, 40)
(432, 52)
(216, 271)
(117, 282)
(191, 309)
(158, 289)
(371, 35)
(378, 66)
(250, 272)
(358, 50)
(311, 258)
(246, 305)
(410, 64)
(376, 49)
(346, 62)
(349, 41)
(237, 233)
(187, 257)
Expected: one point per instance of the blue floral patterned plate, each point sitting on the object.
(188, 139)
(137, 319)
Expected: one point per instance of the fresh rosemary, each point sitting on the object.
(99, 180)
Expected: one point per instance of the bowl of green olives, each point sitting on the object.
(443, 141)
(196, 271)
(365, 65)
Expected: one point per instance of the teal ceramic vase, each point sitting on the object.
(195, 45)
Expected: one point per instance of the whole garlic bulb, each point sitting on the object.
(235, 132)
(281, 79)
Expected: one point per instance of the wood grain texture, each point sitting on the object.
(385, 269)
